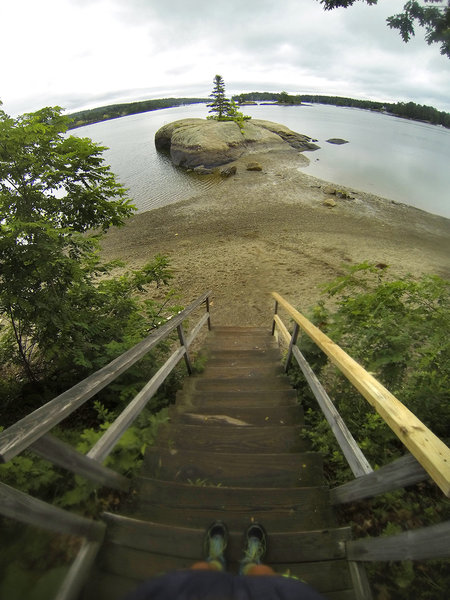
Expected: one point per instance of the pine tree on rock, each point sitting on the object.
(220, 103)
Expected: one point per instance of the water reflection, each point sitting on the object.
(402, 160)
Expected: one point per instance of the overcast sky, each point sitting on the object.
(87, 53)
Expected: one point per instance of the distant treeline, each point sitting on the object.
(113, 111)
(408, 110)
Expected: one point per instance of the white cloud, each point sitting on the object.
(89, 52)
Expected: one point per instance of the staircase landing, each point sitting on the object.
(234, 451)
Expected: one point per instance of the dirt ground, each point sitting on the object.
(258, 232)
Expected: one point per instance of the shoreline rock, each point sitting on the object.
(205, 143)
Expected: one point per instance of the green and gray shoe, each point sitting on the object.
(256, 540)
(215, 543)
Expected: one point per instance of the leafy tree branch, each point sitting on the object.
(433, 15)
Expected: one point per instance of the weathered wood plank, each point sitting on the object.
(360, 581)
(429, 450)
(247, 439)
(193, 398)
(183, 342)
(292, 345)
(23, 433)
(237, 384)
(26, 509)
(418, 544)
(281, 327)
(253, 415)
(195, 330)
(352, 452)
(324, 576)
(185, 542)
(171, 494)
(79, 572)
(109, 439)
(63, 455)
(234, 469)
(400, 473)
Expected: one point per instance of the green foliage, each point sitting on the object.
(398, 330)
(285, 98)
(435, 19)
(407, 110)
(53, 189)
(225, 109)
(220, 105)
(63, 312)
(114, 111)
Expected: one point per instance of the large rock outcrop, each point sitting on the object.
(194, 142)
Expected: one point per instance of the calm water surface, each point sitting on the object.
(396, 158)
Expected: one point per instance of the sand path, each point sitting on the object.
(263, 231)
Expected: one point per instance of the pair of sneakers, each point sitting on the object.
(216, 541)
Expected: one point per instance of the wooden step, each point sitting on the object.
(138, 565)
(230, 398)
(233, 451)
(188, 542)
(252, 415)
(267, 439)
(235, 358)
(238, 384)
(190, 496)
(248, 470)
(250, 342)
(170, 502)
(255, 371)
(279, 519)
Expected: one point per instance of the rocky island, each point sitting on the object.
(271, 226)
(207, 143)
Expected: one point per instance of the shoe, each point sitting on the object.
(215, 543)
(255, 550)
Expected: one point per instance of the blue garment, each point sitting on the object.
(217, 585)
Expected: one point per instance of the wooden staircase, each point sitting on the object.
(233, 451)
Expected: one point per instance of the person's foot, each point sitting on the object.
(256, 544)
(216, 540)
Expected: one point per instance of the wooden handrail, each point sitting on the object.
(424, 445)
(22, 434)
(22, 507)
(33, 432)
(419, 544)
(352, 452)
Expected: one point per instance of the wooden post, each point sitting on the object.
(182, 339)
(291, 347)
(275, 312)
(208, 313)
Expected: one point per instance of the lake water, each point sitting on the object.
(399, 159)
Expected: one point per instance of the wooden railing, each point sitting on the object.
(32, 432)
(428, 456)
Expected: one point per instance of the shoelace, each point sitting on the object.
(254, 550)
(216, 544)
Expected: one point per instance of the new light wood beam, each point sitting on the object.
(428, 449)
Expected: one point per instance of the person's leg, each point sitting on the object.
(256, 543)
(216, 539)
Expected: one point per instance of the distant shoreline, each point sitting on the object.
(410, 110)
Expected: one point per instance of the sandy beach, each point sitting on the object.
(258, 232)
